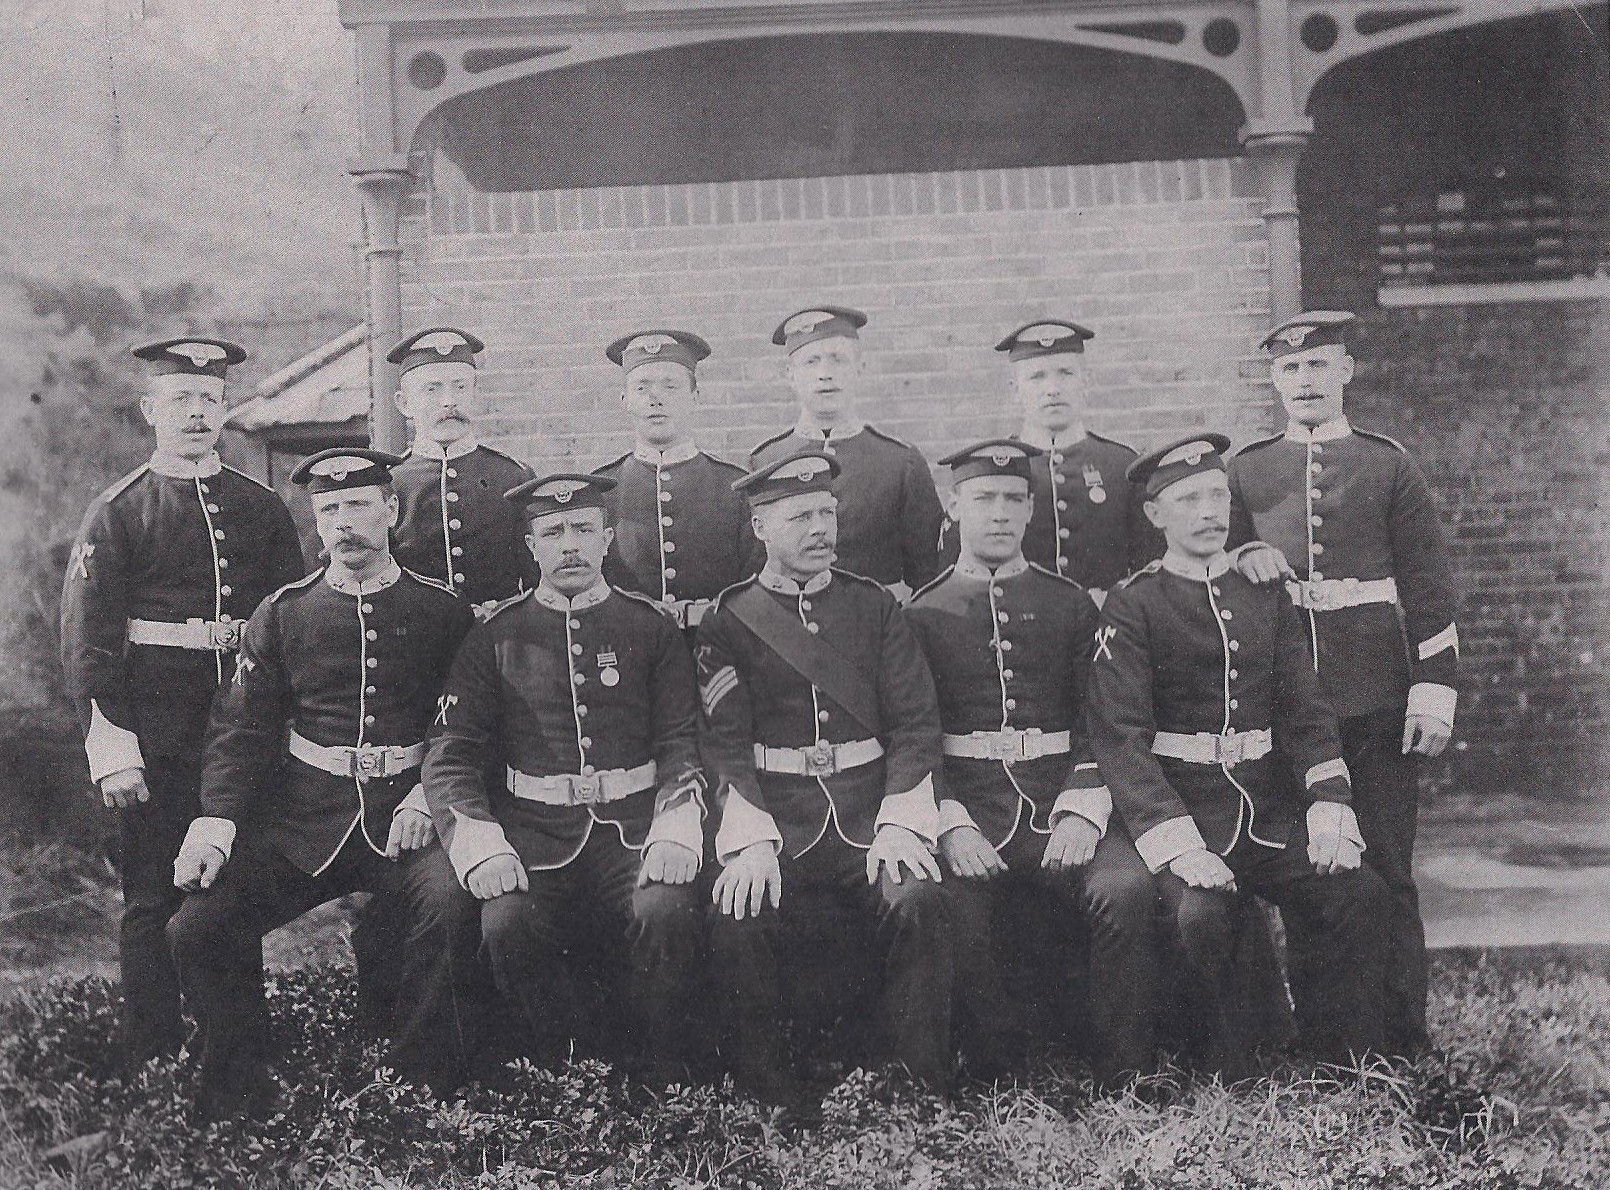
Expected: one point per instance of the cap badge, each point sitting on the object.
(1193, 456)
(651, 343)
(564, 495)
(1293, 335)
(804, 469)
(806, 321)
(1000, 457)
(198, 354)
(441, 342)
(337, 469)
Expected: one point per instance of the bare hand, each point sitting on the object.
(1264, 564)
(122, 789)
(1072, 843)
(893, 846)
(1200, 868)
(410, 830)
(750, 879)
(197, 865)
(968, 853)
(1425, 734)
(666, 862)
(501, 874)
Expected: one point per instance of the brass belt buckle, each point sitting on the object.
(367, 764)
(1229, 750)
(1006, 747)
(819, 760)
(224, 635)
(586, 790)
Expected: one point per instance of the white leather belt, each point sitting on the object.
(1329, 594)
(221, 636)
(819, 760)
(591, 789)
(1205, 747)
(1029, 744)
(367, 763)
(688, 612)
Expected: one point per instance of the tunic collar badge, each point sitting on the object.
(348, 586)
(555, 600)
(426, 449)
(665, 458)
(185, 468)
(1337, 427)
(783, 585)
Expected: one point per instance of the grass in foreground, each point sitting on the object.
(1520, 1097)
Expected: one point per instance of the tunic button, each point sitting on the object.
(452, 473)
(1315, 575)
(1319, 448)
(1316, 468)
(212, 508)
(452, 497)
(586, 742)
(1225, 614)
(225, 590)
(1234, 674)
(204, 488)
(1316, 520)
(665, 497)
(821, 716)
(372, 662)
(218, 533)
(1011, 704)
(225, 618)
(1216, 592)
(1062, 563)
(997, 592)
(666, 521)
(579, 679)
(1235, 646)
(1007, 674)
(670, 547)
(1315, 493)
(575, 623)
(368, 609)
(1318, 548)
(458, 551)
(455, 524)
(813, 627)
(670, 572)
(371, 634)
(1056, 460)
(586, 770)
(369, 690)
(805, 605)
(576, 649)
(458, 578)
(223, 563)
(369, 719)
(1062, 506)
(1003, 617)
(1234, 704)
(1006, 646)
(581, 709)
(1063, 533)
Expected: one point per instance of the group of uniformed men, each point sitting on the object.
(533, 715)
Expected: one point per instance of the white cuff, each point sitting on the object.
(1433, 699)
(474, 842)
(1167, 841)
(742, 825)
(415, 801)
(1093, 805)
(915, 810)
(211, 832)
(1325, 770)
(110, 748)
(1334, 818)
(953, 814)
(682, 824)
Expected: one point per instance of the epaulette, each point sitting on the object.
(860, 578)
(428, 581)
(639, 597)
(505, 455)
(760, 446)
(888, 437)
(297, 584)
(122, 485)
(1260, 442)
(721, 462)
(615, 462)
(1111, 442)
(504, 605)
(737, 586)
(1392, 442)
(934, 582)
(1061, 578)
(250, 478)
(1152, 567)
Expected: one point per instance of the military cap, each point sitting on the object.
(342, 467)
(436, 345)
(1049, 336)
(190, 356)
(817, 322)
(804, 471)
(1313, 328)
(997, 456)
(647, 347)
(1178, 460)
(563, 491)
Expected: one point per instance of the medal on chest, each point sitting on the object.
(1094, 486)
(607, 673)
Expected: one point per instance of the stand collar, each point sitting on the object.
(175, 468)
(556, 600)
(427, 449)
(1046, 440)
(815, 433)
(968, 568)
(349, 586)
(666, 458)
(1194, 568)
(773, 581)
(1327, 431)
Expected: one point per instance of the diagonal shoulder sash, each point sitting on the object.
(813, 658)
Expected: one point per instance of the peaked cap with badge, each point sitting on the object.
(435, 345)
(563, 491)
(1048, 336)
(1180, 459)
(818, 322)
(340, 468)
(655, 346)
(996, 456)
(794, 475)
(190, 356)
(1313, 328)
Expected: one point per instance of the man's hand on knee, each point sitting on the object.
(197, 865)
(498, 875)
(1072, 843)
(124, 788)
(969, 854)
(1425, 734)
(410, 830)
(666, 862)
(1200, 868)
(749, 880)
(894, 846)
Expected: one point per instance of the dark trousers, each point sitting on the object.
(549, 946)
(910, 941)
(217, 944)
(1344, 915)
(1386, 790)
(151, 834)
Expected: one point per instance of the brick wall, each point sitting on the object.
(1167, 261)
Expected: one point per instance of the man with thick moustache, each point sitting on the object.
(593, 839)
(169, 563)
(1023, 812)
(1087, 524)
(312, 791)
(1365, 561)
(820, 734)
(455, 526)
(681, 533)
(889, 515)
(1198, 673)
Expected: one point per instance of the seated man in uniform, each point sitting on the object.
(1023, 810)
(595, 835)
(1198, 673)
(350, 660)
(821, 734)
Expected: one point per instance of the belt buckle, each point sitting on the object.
(367, 763)
(1316, 595)
(819, 760)
(224, 635)
(1230, 749)
(586, 790)
(1006, 746)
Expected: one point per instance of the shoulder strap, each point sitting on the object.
(813, 658)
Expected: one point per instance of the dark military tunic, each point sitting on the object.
(342, 670)
(682, 534)
(455, 525)
(889, 512)
(554, 687)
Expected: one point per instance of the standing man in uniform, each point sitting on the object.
(1370, 576)
(889, 514)
(170, 562)
(311, 791)
(1087, 524)
(1023, 811)
(1197, 674)
(681, 533)
(594, 836)
(455, 527)
(820, 732)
